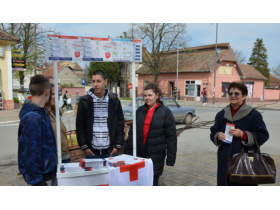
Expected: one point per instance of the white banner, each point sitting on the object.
(137, 174)
(78, 48)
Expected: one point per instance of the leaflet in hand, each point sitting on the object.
(228, 135)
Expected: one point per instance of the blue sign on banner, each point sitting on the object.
(83, 81)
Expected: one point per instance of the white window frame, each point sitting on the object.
(192, 82)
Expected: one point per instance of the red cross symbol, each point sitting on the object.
(133, 170)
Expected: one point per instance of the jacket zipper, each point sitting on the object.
(150, 123)
(100, 123)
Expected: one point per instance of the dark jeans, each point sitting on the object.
(66, 161)
(156, 178)
(64, 104)
(99, 156)
(204, 99)
(69, 105)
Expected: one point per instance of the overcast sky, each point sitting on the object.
(241, 36)
(240, 23)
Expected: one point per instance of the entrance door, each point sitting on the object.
(171, 88)
(197, 90)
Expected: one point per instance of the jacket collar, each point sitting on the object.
(146, 106)
(242, 112)
(91, 93)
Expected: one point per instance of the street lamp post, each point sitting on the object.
(215, 64)
(177, 91)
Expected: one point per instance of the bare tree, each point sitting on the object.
(25, 31)
(276, 71)
(159, 39)
(239, 55)
(87, 65)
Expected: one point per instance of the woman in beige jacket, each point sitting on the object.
(50, 106)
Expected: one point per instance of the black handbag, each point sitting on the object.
(252, 168)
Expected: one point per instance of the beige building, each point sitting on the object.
(66, 75)
(6, 74)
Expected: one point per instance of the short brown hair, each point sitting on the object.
(49, 101)
(240, 86)
(38, 85)
(155, 89)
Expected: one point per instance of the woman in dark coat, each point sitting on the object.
(156, 132)
(246, 119)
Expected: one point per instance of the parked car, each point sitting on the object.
(180, 113)
(25, 90)
(60, 91)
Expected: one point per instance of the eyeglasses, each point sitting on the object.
(235, 93)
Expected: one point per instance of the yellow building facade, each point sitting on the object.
(6, 75)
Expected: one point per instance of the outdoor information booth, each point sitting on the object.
(79, 48)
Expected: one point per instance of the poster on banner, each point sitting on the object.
(250, 89)
(79, 48)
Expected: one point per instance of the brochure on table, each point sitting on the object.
(140, 174)
(79, 48)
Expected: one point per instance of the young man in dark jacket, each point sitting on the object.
(37, 152)
(100, 121)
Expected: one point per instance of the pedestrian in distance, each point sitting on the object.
(78, 97)
(37, 151)
(204, 94)
(69, 103)
(246, 121)
(156, 132)
(50, 106)
(100, 120)
(65, 97)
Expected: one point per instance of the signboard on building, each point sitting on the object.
(79, 48)
(2, 52)
(19, 64)
(16, 53)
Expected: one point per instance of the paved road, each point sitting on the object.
(196, 156)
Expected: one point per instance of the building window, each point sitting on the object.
(190, 86)
(225, 89)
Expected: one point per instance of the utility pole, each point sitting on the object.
(35, 49)
(177, 90)
(215, 64)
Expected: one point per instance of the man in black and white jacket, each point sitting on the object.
(100, 120)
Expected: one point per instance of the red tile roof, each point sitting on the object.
(250, 72)
(77, 66)
(192, 59)
(49, 72)
(274, 81)
(6, 36)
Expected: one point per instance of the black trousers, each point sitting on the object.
(64, 104)
(156, 178)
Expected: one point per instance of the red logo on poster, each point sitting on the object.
(129, 86)
(77, 54)
(107, 54)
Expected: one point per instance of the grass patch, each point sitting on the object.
(16, 100)
(128, 99)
